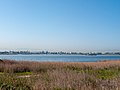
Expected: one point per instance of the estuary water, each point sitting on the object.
(61, 58)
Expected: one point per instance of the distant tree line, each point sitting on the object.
(56, 53)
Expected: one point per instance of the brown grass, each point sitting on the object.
(103, 75)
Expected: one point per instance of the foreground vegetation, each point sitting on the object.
(25, 75)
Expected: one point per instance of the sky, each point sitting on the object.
(60, 25)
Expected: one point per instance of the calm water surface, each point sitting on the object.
(60, 58)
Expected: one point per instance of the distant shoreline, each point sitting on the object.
(56, 53)
(66, 54)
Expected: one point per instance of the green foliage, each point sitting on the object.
(105, 73)
(7, 87)
(24, 73)
(9, 82)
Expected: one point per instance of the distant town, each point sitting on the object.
(55, 53)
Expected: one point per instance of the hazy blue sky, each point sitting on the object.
(60, 25)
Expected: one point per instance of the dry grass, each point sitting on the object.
(104, 75)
